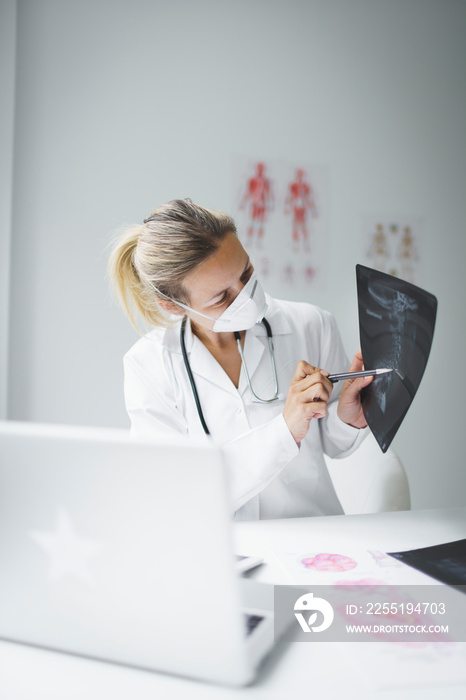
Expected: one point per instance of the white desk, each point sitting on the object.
(298, 671)
(388, 532)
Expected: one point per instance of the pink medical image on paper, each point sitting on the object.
(328, 562)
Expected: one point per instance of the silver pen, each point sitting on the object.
(353, 375)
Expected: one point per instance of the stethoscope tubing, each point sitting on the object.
(268, 329)
(266, 325)
(191, 378)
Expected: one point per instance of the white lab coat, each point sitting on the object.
(269, 475)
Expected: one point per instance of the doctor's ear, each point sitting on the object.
(170, 307)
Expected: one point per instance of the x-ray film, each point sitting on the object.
(396, 328)
(445, 562)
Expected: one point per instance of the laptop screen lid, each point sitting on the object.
(119, 549)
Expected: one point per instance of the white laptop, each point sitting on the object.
(121, 549)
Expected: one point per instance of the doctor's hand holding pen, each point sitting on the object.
(310, 391)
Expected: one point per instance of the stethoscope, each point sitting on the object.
(257, 399)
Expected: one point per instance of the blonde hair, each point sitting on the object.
(151, 260)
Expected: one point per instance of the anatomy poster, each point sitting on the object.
(392, 245)
(280, 208)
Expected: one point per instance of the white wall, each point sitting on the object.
(122, 105)
(7, 91)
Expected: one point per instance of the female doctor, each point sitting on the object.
(226, 360)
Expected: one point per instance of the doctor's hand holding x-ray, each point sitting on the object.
(226, 360)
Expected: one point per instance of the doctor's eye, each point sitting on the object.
(222, 300)
(247, 273)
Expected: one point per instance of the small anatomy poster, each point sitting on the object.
(280, 208)
(392, 245)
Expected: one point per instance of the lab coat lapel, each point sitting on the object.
(205, 365)
(257, 342)
(254, 348)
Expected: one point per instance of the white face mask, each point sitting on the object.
(244, 312)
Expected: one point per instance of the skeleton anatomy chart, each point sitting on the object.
(391, 245)
(280, 209)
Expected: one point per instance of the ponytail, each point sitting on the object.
(132, 293)
(151, 260)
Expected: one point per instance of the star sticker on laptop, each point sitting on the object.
(69, 554)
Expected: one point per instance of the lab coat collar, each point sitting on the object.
(203, 364)
(278, 321)
(171, 337)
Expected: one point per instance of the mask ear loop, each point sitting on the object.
(272, 360)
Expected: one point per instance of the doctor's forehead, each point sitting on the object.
(219, 271)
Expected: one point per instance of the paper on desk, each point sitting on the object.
(365, 567)
(380, 664)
